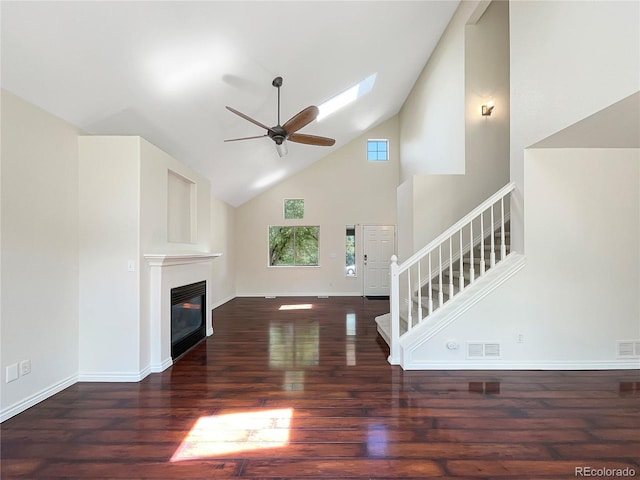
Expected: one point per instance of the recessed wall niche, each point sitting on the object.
(181, 209)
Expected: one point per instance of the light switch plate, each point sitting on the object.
(12, 372)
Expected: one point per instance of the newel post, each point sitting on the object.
(394, 300)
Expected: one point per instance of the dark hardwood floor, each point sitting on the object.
(308, 393)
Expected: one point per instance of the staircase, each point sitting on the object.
(440, 281)
(453, 281)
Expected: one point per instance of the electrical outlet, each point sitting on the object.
(25, 367)
(12, 372)
(520, 338)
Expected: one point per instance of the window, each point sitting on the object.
(293, 246)
(350, 251)
(293, 208)
(377, 150)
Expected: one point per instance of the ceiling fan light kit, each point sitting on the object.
(281, 133)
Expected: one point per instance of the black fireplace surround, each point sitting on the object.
(188, 319)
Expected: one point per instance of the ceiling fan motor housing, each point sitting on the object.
(278, 134)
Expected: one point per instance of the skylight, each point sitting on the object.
(346, 97)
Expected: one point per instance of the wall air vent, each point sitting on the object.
(629, 349)
(483, 350)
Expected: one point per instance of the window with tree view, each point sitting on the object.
(293, 208)
(293, 246)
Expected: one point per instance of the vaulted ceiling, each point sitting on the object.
(166, 70)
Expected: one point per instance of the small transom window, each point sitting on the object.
(378, 150)
(293, 208)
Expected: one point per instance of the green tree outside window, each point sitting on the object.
(294, 208)
(293, 246)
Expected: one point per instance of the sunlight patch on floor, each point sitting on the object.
(299, 306)
(223, 434)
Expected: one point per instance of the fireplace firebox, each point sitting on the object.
(188, 316)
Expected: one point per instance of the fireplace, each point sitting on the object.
(169, 271)
(188, 317)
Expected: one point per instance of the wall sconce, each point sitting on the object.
(487, 109)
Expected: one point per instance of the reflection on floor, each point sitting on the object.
(233, 433)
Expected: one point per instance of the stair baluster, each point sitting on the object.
(440, 289)
(492, 255)
(461, 263)
(419, 294)
(451, 288)
(410, 309)
(430, 288)
(482, 263)
(472, 270)
(503, 247)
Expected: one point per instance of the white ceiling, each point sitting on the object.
(165, 70)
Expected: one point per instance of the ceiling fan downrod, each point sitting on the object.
(277, 82)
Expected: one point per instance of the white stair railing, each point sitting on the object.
(457, 246)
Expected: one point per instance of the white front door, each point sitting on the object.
(379, 246)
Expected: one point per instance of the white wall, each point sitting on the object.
(569, 59)
(223, 271)
(405, 220)
(109, 232)
(39, 312)
(432, 117)
(578, 293)
(154, 203)
(478, 66)
(341, 189)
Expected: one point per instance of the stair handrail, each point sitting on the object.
(420, 254)
(397, 269)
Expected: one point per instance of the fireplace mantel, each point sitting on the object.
(167, 259)
(169, 270)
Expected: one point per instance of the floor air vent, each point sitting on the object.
(483, 350)
(629, 349)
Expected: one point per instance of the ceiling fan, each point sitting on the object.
(280, 133)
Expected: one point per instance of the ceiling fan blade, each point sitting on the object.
(247, 117)
(245, 138)
(311, 139)
(301, 119)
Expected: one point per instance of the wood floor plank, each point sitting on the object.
(290, 396)
(329, 468)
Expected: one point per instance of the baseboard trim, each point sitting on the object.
(163, 366)
(219, 303)
(115, 376)
(529, 365)
(306, 294)
(29, 402)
